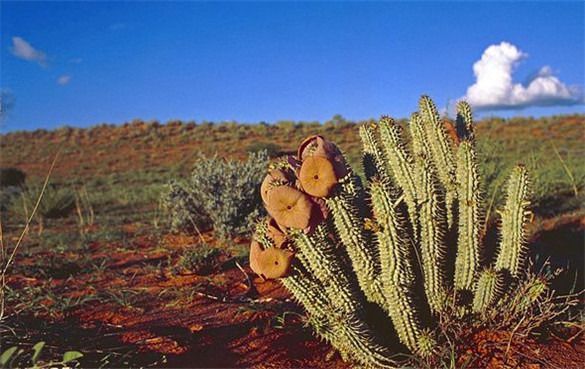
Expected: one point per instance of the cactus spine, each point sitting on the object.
(395, 260)
(489, 286)
(374, 160)
(432, 236)
(400, 163)
(420, 144)
(464, 122)
(515, 216)
(323, 261)
(349, 224)
(470, 217)
(441, 153)
(366, 247)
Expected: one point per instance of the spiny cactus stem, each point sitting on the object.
(438, 140)
(432, 239)
(309, 293)
(365, 347)
(352, 233)
(464, 122)
(488, 288)
(374, 158)
(513, 223)
(420, 143)
(392, 235)
(260, 235)
(441, 153)
(304, 288)
(470, 217)
(397, 275)
(400, 163)
(324, 262)
(344, 329)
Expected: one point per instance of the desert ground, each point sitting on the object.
(111, 280)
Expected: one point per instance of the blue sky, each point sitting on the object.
(83, 63)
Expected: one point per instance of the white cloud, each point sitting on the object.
(494, 88)
(63, 80)
(22, 49)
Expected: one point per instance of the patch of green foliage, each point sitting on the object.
(226, 192)
(201, 259)
(273, 150)
(15, 357)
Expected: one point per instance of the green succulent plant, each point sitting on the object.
(371, 262)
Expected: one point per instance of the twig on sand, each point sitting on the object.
(247, 278)
(239, 300)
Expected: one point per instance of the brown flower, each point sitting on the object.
(317, 176)
(274, 176)
(255, 252)
(318, 216)
(275, 263)
(312, 145)
(318, 146)
(270, 263)
(289, 207)
(276, 233)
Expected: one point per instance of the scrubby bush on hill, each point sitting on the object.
(10, 177)
(222, 193)
(184, 208)
(271, 148)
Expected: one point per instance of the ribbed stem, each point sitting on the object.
(400, 163)
(305, 289)
(464, 122)
(374, 159)
(324, 261)
(420, 143)
(397, 275)
(260, 234)
(426, 343)
(363, 346)
(441, 153)
(309, 293)
(432, 239)
(514, 220)
(350, 226)
(325, 291)
(347, 332)
(470, 217)
(488, 288)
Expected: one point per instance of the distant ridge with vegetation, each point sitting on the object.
(151, 153)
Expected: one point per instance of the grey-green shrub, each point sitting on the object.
(224, 192)
(56, 202)
(184, 209)
(8, 195)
